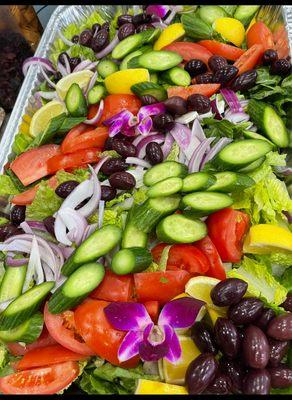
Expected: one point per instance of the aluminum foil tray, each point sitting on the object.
(274, 16)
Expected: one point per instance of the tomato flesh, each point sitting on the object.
(115, 288)
(114, 103)
(216, 269)
(73, 160)
(152, 308)
(45, 339)
(259, 33)
(250, 58)
(221, 49)
(84, 137)
(27, 197)
(207, 89)
(189, 51)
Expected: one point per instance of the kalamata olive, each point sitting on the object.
(122, 180)
(108, 143)
(228, 292)
(95, 28)
(281, 376)
(204, 78)
(144, 27)
(225, 74)
(85, 37)
(49, 223)
(154, 153)
(163, 122)
(100, 40)
(227, 337)
(108, 193)
(203, 337)
(126, 30)
(125, 149)
(62, 57)
(176, 105)
(269, 57)
(200, 373)
(245, 81)
(74, 61)
(265, 318)
(280, 67)
(125, 19)
(57, 76)
(257, 382)
(17, 215)
(255, 346)
(220, 385)
(113, 165)
(65, 188)
(141, 19)
(8, 230)
(148, 99)
(195, 67)
(246, 311)
(281, 327)
(287, 305)
(278, 350)
(217, 62)
(234, 370)
(105, 26)
(199, 103)
(75, 39)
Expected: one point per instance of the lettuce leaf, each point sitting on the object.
(282, 259)
(139, 195)
(261, 282)
(7, 186)
(286, 279)
(174, 152)
(112, 216)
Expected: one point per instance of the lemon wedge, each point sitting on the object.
(168, 35)
(82, 79)
(120, 82)
(42, 117)
(153, 387)
(231, 29)
(266, 238)
(200, 287)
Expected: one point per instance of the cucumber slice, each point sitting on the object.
(210, 13)
(239, 154)
(27, 332)
(106, 68)
(76, 288)
(252, 166)
(131, 260)
(160, 60)
(97, 93)
(163, 171)
(154, 77)
(133, 237)
(245, 14)
(254, 135)
(12, 282)
(96, 245)
(146, 216)
(266, 119)
(178, 228)
(228, 182)
(143, 49)
(177, 76)
(165, 188)
(75, 101)
(198, 181)
(155, 90)
(24, 306)
(230, 10)
(207, 202)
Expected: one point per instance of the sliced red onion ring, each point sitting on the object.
(138, 161)
(89, 230)
(236, 117)
(62, 69)
(73, 222)
(94, 120)
(91, 83)
(108, 49)
(168, 142)
(37, 61)
(198, 154)
(100, 213)
(197, 130)
(222, 142)
(26, 228)
(37, 225)
(187, 118)
(214, 107)
(232, 100)
(138, 174)
(92, 204)
(67, 251)
(46, 95)
(82, 192)
(174, 11)
(16, 262)
(100, 163)
(159, 24)
(34, 268)
(152, 109)
(141, 142)
(283, 170)
(81, 66)
(159, 10)
(52, 84)
(185, 138)
(65, 40)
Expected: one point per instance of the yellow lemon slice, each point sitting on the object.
(168, 35)
(153, 387)
(120, 82)
(266, 238)
(82, 79)
(231, 29)
(42, 117)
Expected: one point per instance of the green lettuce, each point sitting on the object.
(118, 200)
(114, 216)
(261, 282)
(174, 152)
(286, 279)
(7, 186)
(282, 259)
(140, 195)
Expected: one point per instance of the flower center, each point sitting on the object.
(156, 335)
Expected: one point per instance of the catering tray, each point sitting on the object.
(274, 16)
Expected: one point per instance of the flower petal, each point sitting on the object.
(153, 334)
(148, 352)
(129, 347)
(127, 316)
(180, 313)
(174, 348)
(145, 126)
(151, 109)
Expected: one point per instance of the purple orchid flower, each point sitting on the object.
(152, 342)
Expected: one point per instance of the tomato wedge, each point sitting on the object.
(207, 89)
(49, 355)
(189, 51)
(259, 33)
(27, 197)
(46, 380)
(45, 339)
(98, 333)
(160, 286)
(88, 139)
(250, 58)
(63, 329)
(221, 49)
(216, 269)
(73, 160)
(281, 42)
(115, 288)
(33, 164)
(152, 308)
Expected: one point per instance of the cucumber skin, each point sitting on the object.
(155, 190)
(60, 303)
(210, 181)
(34, 329)
(92, 98)
(142, 257)
(15, 282)
(81, 110)
(167, 77)
(201, 212)
(182, 172)
(156, 90)
(243, 17)
(130, 240)
(144, 60)
(196, 28)
(204, 13)
(242, 182)
(251, 167)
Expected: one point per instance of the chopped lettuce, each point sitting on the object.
(139, 195)
(261, 282)
(3, 221)
(112, 216)
(3, 356)
(174, 152)
(77, 50)
(118, 200)
(282, 259)
(7, 186)
(110, 153)
(286, 279)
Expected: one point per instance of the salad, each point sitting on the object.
(145, 235)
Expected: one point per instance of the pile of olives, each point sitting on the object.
(243, 353)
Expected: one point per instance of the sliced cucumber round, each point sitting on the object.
(198, 181)
(207, 202)
(252, 166)
(165, 188)
(160, 60)
(163, 171)
(155, 90)
(131, 260)
(228, 182)
(27, 332)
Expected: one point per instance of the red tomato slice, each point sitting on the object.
(115, 288)
(27, 197)
(250, 58)
(33, 164)
(216, 269)
(45, 339)
(73, 160)
(46, 380)
(49, 355)
(88, 139)
(227, 229)
(63, 329)
(259, 33)
(281, 42)
(221, 49)
(207, 89)
(160, 286)
(152, 308)
(98, 333)
(189, 51)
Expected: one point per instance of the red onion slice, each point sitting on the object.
(197, 130)
(52, 84)
(37, 225)
(82, 192)
(100, 164)
(100, 213)
(91, 83)
(187, 118)
(46, 95)
(185, 138)
(198, 154)
(214, 107)
(62, 69)
(138, 161)
(222, 142)
(168, 142)
(81, 66)
(16, 262)
(159, 10)
(141, 147)
(94, 120)
(231, 100)
(26, 228)
(89, 230)
(92, 204)
(37, 61)
(74, 223)
(34, 268)
(65, 40)
(108, 49)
